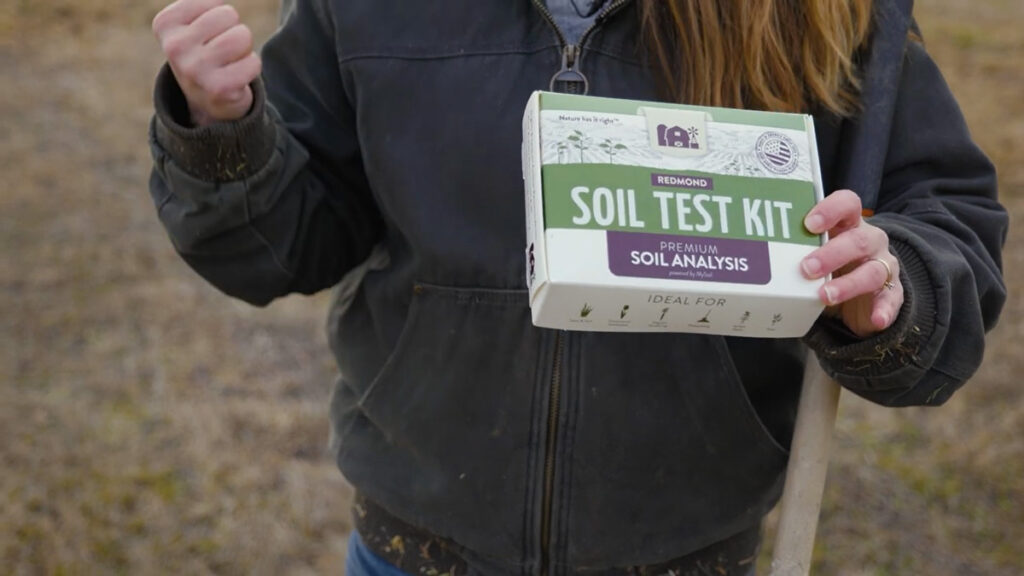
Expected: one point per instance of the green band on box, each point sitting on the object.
(630, 198)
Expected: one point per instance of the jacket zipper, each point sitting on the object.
(554, 398)
(570, 72)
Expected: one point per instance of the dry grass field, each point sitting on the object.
(151, 425)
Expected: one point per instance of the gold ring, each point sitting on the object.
(888, 273)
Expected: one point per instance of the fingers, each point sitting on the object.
(865, 289)
(211, 55)
(871, 313)
(213, 23)
(232, 45)
(887, 306)
(837, 213)
(853, 257)
(869, 277)
(181, 13)
(202, 43)
(230, 86)
(854, 245)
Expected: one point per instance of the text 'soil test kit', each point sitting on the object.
(646, 217)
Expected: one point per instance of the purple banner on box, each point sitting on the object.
(683, 181)
(688, 258)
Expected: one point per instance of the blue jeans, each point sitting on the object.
(361, 562)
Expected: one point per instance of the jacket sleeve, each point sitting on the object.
(937, 202)
(276, 202)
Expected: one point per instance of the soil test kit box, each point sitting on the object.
(646, 217)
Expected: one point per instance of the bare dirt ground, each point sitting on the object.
(151, 425)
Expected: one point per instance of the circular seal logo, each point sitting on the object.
(777, 152)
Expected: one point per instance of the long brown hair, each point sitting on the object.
(782, 55)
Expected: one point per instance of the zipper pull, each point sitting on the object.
(569, 79)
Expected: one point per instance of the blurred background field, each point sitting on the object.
(150, 425)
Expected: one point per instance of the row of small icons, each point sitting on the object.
(706, 319)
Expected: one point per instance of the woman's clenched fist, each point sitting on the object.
(210, 52)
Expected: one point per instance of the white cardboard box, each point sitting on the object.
(647, 217)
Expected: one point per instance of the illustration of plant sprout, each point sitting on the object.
(563, 151)
(579, 141)
(611, 149)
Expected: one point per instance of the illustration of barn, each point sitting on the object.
(676, 137)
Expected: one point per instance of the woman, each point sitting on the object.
(475, 441)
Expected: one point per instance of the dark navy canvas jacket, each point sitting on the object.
(397, 124)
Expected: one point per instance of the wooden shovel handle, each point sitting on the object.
(805, 476)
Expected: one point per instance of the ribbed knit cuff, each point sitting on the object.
(875, 358)
(220, 152)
